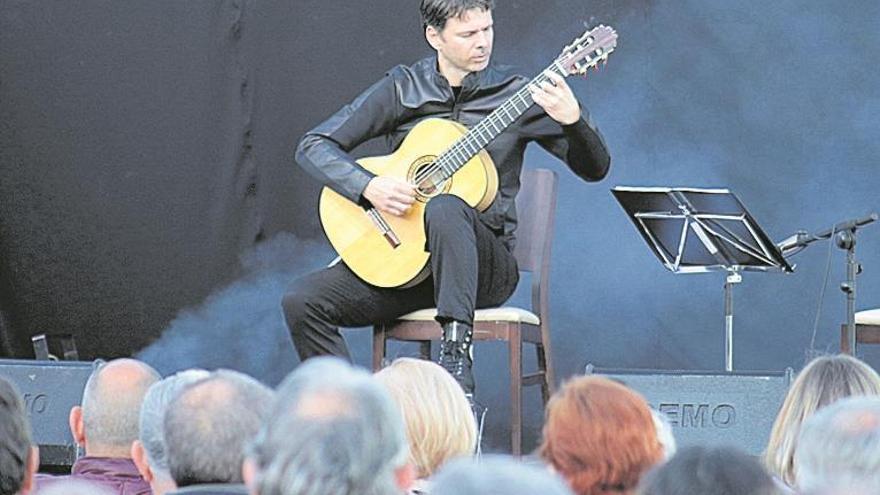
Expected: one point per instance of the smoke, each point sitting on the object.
(241, 326)
(776, 101)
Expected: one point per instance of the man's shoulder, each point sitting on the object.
(418, 69)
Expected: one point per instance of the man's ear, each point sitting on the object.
(405, 476)
(33, 464)
(249, 474)
(139, 456)
(433, 37)
(76, 425)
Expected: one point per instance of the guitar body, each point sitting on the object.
(355, 235)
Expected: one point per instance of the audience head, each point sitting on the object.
(496, 475)
(438, 418)
(334, 430)
(149, 451)
(823, 381)
(839, 448)
(18, 457)
(106, 422)
(600, 436)
(208, 425)
(715, 470)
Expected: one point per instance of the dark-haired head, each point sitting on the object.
(17, 457)
(436, 12)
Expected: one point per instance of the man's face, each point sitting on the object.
(465, 43)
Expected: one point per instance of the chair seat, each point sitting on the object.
(504, 313)
(868, 317)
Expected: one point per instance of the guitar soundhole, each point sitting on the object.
(427, 178)
(427, 189)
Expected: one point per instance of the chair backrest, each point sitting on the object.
(536, 211)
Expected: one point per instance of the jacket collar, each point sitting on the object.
(493, 76)
(108, 466)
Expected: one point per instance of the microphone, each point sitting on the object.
(793, 244)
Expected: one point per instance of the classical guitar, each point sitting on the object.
(438, 156)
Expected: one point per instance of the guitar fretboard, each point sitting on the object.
(487, 129)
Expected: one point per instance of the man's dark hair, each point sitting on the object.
(436, 12)
(15, 439)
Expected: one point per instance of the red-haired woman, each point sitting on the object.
(600, 436)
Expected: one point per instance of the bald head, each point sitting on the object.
(111, 404)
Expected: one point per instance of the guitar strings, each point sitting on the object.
(460, 147)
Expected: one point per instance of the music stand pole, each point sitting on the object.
(733, 277)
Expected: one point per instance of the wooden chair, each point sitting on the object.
(867, 330)
(536, 205)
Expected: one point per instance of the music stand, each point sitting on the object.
(693, 230)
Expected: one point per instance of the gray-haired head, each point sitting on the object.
(208, 425)
(717, 470)
(496, 475)
(156, 401)
(839, 448)
(111, 403)
(334, 431)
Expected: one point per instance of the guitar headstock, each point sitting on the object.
(589, 50)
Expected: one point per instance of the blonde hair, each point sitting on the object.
(823, 381)
(438, 418)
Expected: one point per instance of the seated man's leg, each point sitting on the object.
(318, 303)
(471, 268)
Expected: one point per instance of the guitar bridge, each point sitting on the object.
(392, 238)
(384, 229)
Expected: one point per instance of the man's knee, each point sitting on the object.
(297, 302)
(445, 207)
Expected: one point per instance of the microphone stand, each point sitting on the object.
(845, 238)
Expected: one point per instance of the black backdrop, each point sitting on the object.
(148, 188)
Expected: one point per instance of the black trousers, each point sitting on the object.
(470, 268)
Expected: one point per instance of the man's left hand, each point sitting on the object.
(557, 99)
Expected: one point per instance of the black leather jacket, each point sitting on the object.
(406, 95)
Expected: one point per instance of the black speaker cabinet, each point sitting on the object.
(711, 408)
(49, 390)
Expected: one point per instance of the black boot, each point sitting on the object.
(456, 355)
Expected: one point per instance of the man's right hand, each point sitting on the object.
(390, 195)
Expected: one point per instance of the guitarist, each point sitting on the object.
(471, 258)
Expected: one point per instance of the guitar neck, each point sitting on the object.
(490, 127)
